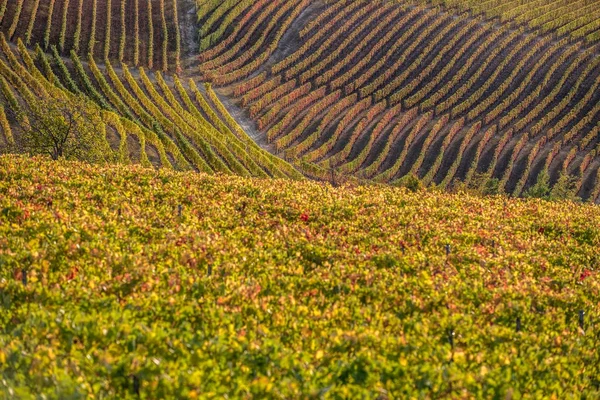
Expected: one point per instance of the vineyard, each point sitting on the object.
(196, 261)
(382, 90)
(573, 18)
(175, 125)
(228, 286)
(452, 92)
(138, 32)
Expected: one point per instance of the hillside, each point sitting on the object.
(139, 32)
(147, 120)
(195, 260)
(448, 91)
(384, 89)
(120, 280)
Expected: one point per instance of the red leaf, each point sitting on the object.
(584, 274)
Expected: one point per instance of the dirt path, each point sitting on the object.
(247, 124)
(286, 46)
(188, 31)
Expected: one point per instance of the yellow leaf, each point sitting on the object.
(319, 354)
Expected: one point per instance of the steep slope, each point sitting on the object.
(443, 90)
(139, 32)
(147, 120)
(386, 89)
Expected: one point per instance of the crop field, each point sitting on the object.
(127, 282)
(301, 199)
(574, 18)
(451, 92)
(384, 89)
(139, 32)
(172, 125)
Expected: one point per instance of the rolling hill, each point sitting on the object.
(384, 89)
(445, 91)
(202, 264)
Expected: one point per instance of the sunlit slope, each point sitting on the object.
(123, 280)
(140, 32)
(577, 19)
(384, 89)
(444, 90)
(149, 118)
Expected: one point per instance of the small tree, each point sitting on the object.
(565, 188)
(541, 189)
(411, 182)
(491, 187)
(69, 128)
(484, 184)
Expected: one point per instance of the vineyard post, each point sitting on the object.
(136, 385)
(451, 341)
(24, 276)
(581, 319)
(332, 176)
(179, 210)
(518, 324)
(448, 250)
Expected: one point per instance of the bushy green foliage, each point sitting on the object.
(541, 189)
(66, 127)
(482, 184)
(410, 182)
(116, 280)
(564, 189)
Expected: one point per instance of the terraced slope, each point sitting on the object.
(147, 120)
(386, 89)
